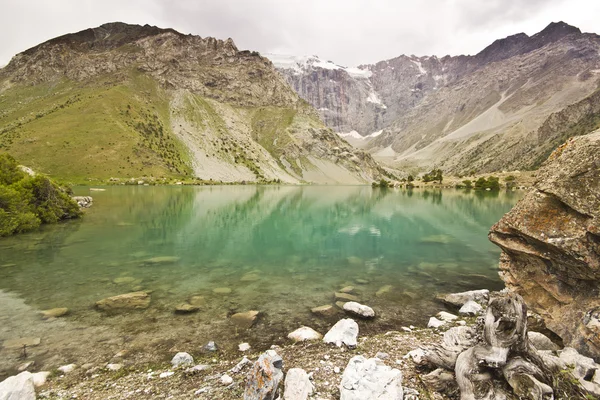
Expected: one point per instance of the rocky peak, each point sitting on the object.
(555, 31)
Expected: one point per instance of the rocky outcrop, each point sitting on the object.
(551, 244)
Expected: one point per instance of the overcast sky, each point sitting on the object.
(348, 32)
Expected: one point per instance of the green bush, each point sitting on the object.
(435, 175)
(466, 184)
(491, 183)
(28, 201)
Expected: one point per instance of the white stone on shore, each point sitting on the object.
(226, 380)
(446, 316)
(416, 355)
(435, 323)
(304, 333)
(114, 367)
(359, 309)
(18, 387)
(471, 308)
(459, 299)
(182, 359)
(65, 369)
(345, 331)
(166, 374)
(370, 379)
(39, 378)
(244, 347)
(297, 385)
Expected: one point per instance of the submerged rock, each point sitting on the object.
(54, 312)
(550, 244)
(161, 260)
(297, 385)
(346, 297)
(304, 333)
(182, 359)
(345, 331)
(222, 290)
(347, 289)
(264, 377)
(21, 342)
(325, 311)
(370, 379)
(133, 300)
(244, 320)
(359, 309)
(19, 387)
(383, 290)
(186, 308)
(197, 301)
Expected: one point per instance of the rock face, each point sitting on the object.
(370, 379)
(264, 377)
(551, 244)
(19, 387)
(134, 300)
(297, 385)
(345, 331)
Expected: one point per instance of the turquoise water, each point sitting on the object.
(280, 250)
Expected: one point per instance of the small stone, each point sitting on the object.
(325, 311)
(359, 309)
(243, 347)
(121, 354)
(304, 334)
(186, 308)
(210, 347)
(54, 312)
(197, 301)
(133, 300)
(297, 385)
(340, 304)
(347, 289)
(445, 316)
(39, 378)
(406, 329)
(201, 390)
(381, 355)
(361, 281)
(383, 290)
(470, 308)
(345, 297)
(222, 290)
(435, 323)
(244, 320)
(250, 277)
(226, 380)
(182, 359)
(123, 280)
(336, 370)
(161, 260)
(416, 355)
(87, 366)
(239, 366)
(114, 367)
(25, 366)
(166, 374)
(65, 369)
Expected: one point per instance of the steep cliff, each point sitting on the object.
(131, 100)
(551, 244)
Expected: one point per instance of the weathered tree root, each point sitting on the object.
(485, 362)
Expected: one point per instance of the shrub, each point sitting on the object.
(435, 175)
(491, 183)
(28, 201)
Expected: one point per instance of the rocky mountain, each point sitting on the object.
(551, 244)
(127, 101)
(463, 113)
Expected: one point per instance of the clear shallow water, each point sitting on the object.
(281, 251)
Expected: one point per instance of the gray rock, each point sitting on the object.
(584, 369)
(304, 334)
(297, 385)
(65, 369)
(446, 316)
(182, 359)
(241, 365)
(345, 331)
(264, 377)
(210, 347)
(325, 311)
(39, 378)
(435, 323)
(19, 387)
(359, 309)
(470, 308)
(370, 379)
(541, 341)
(134, 300)
(459, 299)
(244, 320)
(381, 355)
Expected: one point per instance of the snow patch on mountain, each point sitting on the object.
(351, 134)
(300, 64)
(420, 66)
(374, 98)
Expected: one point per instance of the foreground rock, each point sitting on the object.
(370, 379)
(359, 309)
(345, 331)
(304, 333)
(297, 385)
(459, 299)
(134, 300)
(19, 387)
(551, 244)
(264, 377)
(182, 359)
(54, 312)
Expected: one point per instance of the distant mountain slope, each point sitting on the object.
(461, 113)
(127, 101)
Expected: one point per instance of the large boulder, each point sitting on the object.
(264, 377)
(134, 300)
(550, 244)
(359, 310)
(19, 387)
(370, 379)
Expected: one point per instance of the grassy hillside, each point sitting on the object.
(97, 130)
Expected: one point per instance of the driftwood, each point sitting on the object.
(497, 357)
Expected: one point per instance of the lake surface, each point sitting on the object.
(281, 250)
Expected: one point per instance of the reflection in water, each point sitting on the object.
(281, 250)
